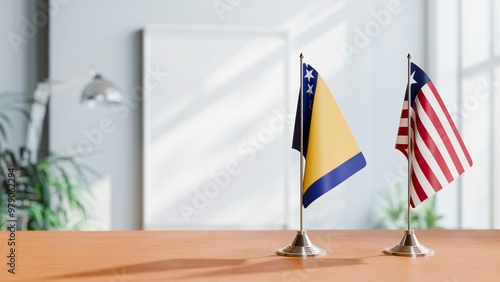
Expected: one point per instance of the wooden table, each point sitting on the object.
(461, 255)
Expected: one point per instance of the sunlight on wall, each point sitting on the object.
(219, 130)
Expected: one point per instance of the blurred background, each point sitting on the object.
(202, 136)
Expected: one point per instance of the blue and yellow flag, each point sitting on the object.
(331, 152)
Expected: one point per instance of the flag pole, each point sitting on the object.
(301, 102)
(408, 89)
(409, 246)
(301, 245)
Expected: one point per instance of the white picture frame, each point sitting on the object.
(208, 93)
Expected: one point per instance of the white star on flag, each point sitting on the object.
(309, 89)
(309, 75)
(413, 81)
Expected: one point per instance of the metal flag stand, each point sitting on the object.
(301, 245)
(409, 245)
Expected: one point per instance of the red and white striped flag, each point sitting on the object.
(438, 154)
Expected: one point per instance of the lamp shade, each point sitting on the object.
(102, 91)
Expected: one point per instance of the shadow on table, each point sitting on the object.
(290, 267)
(222, 266)
(128, 271)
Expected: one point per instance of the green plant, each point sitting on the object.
(393, 212)
(50, 193)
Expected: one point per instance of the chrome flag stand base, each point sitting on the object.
(409, 247)
(301, 247)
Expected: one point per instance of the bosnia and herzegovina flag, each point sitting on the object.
(331, 152)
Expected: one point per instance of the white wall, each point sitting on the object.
(368, 85)
(18, 56)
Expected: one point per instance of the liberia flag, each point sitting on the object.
(437, 153)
